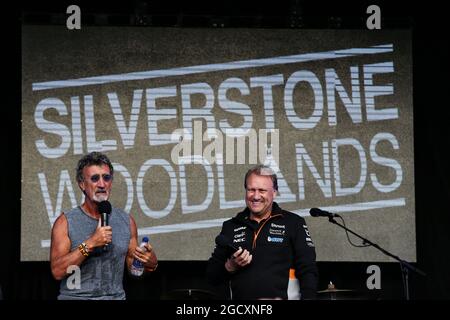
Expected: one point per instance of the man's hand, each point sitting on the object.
(101, 237)
(147, 256)
(239, 259)
(143, 255)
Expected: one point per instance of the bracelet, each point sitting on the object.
(84, 249)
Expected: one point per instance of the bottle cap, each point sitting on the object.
(145, 239)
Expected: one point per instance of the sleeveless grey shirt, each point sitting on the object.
(102, 271)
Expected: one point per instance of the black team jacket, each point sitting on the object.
(277, 244)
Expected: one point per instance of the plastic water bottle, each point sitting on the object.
(137, 267)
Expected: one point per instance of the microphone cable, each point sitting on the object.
(363, 245)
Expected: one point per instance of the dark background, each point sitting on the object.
(33, 280)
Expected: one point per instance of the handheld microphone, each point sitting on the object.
(223, 241)
(104, 207)
(316, 212)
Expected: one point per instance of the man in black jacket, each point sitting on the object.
(269, 241)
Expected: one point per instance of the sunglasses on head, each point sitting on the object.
(106, 177)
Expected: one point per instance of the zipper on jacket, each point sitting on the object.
(256, 232)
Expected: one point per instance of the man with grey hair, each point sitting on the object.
(80, 240)
(257, 248)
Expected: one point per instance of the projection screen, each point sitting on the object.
(184, 113)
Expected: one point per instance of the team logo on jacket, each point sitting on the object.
(277, 232)
(275, 239)
(277, 229)
(239, 236)
(308, 239)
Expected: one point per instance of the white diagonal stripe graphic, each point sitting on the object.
(152, 74)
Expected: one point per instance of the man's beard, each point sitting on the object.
(99, 197)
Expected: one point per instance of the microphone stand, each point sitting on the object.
(405, 266)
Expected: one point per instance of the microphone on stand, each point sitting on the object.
(316, 212)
